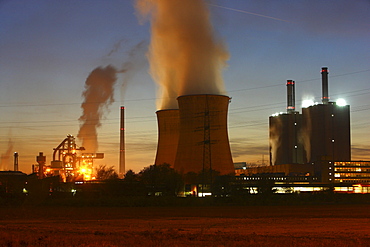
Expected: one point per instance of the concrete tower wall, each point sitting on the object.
(168, 136)
(328, 128)
(286, 145)
(203, 141)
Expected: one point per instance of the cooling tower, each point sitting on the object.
(168, 136)
(203, 142)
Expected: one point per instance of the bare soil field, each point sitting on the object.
(314, 225)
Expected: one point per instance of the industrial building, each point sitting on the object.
(311, 151)
(327, 128)
(12, 183)
(321, 130)
(286, 146)
(68, 162)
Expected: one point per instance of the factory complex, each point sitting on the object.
(310, 152)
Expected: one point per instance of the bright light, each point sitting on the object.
(341, 102)
(307, 103)
(277, 114)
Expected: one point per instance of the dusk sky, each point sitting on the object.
(48, 49)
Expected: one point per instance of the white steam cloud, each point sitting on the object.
(185, 56)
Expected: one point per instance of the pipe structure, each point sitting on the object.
(290, 96)
(41, 159)
(324, 77)
(122, 153)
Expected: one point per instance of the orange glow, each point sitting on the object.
(86, 172)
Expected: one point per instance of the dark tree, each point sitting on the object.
(131, 177)
(106, 173)
(161, 180)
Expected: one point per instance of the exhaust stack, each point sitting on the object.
(15, 161)
(324, 76)
(291, 96)
(122, 144)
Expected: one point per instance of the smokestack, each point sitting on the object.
(122, 162)
(203, 141)
(324, 76)
(168, 136)
(291, 96)
(15, 161)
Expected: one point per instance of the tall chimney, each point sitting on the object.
(122, 144)
(291, 96)
(324, 76)
(15, 161)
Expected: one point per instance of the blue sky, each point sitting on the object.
(48, 48)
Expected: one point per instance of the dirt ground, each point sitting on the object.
(324, 225)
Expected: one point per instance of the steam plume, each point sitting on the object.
(185, 57)
(274, 139)
(98, 94)
(6, 158)
(135, 61)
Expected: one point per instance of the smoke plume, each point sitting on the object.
(274, 139)
(185, 57)
(135, 62)
(98, 94)
(6, 158)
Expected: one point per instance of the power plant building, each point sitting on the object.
(327, 128)
(285, 143)
(284, 133)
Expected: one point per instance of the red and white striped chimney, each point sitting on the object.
(122, 144)
(291, 96)
(325, 93)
